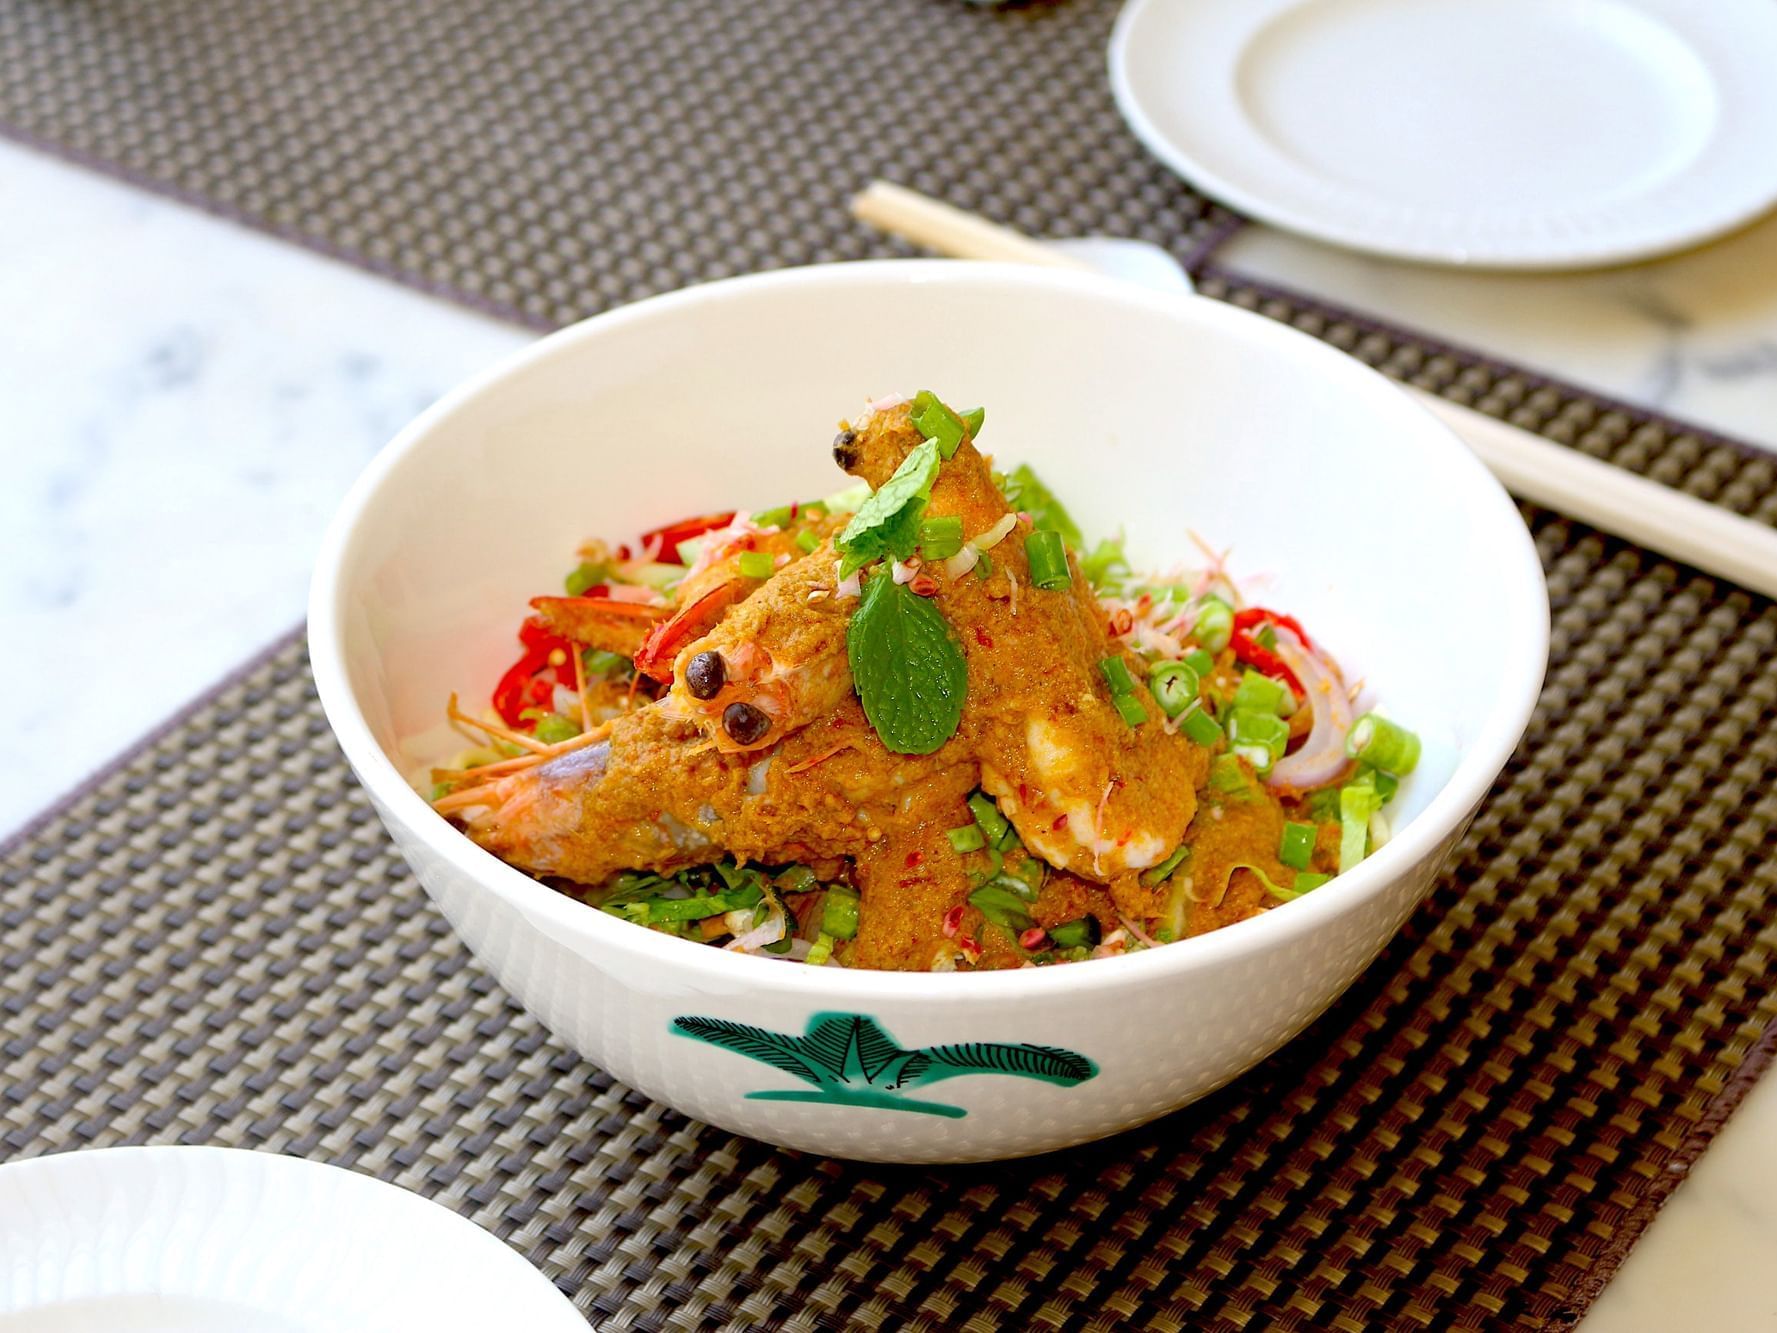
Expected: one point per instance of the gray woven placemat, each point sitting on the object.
(214, 943)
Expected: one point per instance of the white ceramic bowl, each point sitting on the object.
(1353, 508)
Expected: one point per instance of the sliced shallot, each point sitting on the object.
(1322, 756)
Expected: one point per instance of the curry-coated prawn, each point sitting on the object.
(654, 794)
(1087, 792)
(775, 664)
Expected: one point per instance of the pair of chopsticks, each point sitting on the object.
(1676, 525)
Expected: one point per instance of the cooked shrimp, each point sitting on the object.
(773, 665)
(656, 795)
(1086, 791)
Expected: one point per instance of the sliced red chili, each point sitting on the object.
(522, 687)
(1249, 650)
(663, 543)
(510, 694)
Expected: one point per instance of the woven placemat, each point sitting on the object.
(215, 943)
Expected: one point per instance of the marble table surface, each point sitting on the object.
(188, 400)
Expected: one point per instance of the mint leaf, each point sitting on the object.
(1025, 491)
(907, 667)
(888, 522)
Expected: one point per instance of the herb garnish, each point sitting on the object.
(888, 522)
(907, 666)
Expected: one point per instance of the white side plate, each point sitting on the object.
(215, 1240)
(1494, 133)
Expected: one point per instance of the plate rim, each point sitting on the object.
(1550, 255)
(489, 1251)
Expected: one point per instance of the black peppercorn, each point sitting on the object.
(705, 675)
(844, 451)
(744, 723)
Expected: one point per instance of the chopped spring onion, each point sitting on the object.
(553, 728)
(1026, 882)
(1383, 745)
(806, 542)
(1025, 491)
(1105, 568)
(1260, 693)
(820, 951)
(1116, 674)
(1082, 934)
(1386, 783)
(775, 518)
(698, 906)
(1173, 685)
(1159, 874)
(1048, 559)
(994, 826)
(601, 663)
(1273, 888)
(1258, 737)
(940, 537)
(1296, 848)
(1215, 624)
(839, 913)
(840, 502)
(655, 574)
(1199, 660)
(975, 420)
(584, 577)
(798, 879)
(1003, 907)
(1130, 709)
(1357, 802)
(1266, 637)
(1227, 774)
(1199, 727)
(968, 838)
(756, 564)
(937, 422)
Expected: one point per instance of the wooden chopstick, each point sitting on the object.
(1670, 522)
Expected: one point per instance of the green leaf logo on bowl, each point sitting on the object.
(852, 1061)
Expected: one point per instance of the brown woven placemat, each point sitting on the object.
(214, 943)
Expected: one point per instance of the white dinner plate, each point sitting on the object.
(216, 1240)
(1497, 133)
